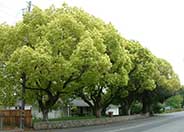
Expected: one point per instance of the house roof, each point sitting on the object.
(79, 102)
(111, 106)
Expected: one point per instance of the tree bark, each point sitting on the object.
(126, 106)
(126, 109)
(45, 113)
(146, 108)
(107, 103)
(46, 105)
(129, 111)
(103, 111)
(97, 109)
(98, 112)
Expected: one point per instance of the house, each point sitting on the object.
(84, 109)
(76, 107)
(81, 108)
(114, 109)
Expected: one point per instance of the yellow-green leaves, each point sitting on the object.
(167, 78)
(87, 56)
(66, 49)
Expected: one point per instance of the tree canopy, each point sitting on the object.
(65, 51)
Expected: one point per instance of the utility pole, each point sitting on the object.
(22, 114)
(27, 9)
(29, 6)
(23, 75)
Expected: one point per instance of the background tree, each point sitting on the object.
(102, 81)
(181, 92)
(141, 76)
(174, 101)
(167, 84)
(8, 88)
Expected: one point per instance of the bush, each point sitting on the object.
(136, 108)
(174, 101)
(158, 108)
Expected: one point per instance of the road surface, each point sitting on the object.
(173, 122)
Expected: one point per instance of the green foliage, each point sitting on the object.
(66, 52)
(57, 51)
(167, 77)
(158, 108)
(174, 101)
(167, 82)
(144, 67)
(136, 108)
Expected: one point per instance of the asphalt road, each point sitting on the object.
(160, 123)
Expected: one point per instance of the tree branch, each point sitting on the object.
(49, 85)
(86, 100)
(70, 79)
(36, 89)
(37, 83)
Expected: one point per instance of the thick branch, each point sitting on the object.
(70, 79)
(36, 89)
(37, 83)
(49, 85)
(92, 98)
(132, 70)
(67, 81)
(86, 100)
(100, 91)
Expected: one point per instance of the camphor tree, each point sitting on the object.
(56, 53)
(141, 76)
(181, 93)
(41, 63)
(167, 84)
(151, 80)
(52, 53)
(7, 86)
(98, 87)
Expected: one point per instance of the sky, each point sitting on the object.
(157, 24)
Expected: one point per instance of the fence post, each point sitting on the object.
(22, 119)
(1, 121)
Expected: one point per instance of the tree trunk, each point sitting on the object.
(146, 108)
(98, 112)
(103, 111)
(44, 110)
(45, 106)
(127, 109)
(45, 113)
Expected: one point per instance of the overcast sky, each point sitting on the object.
(157, 24)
